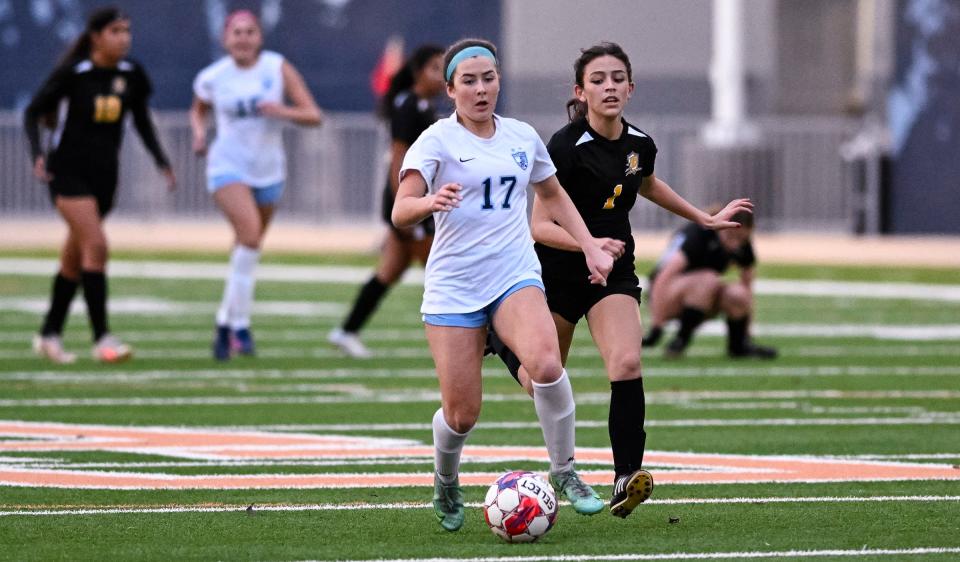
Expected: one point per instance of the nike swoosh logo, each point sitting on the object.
(468, 159)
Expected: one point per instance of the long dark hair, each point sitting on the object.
(462, 44)
(96, 21)
(406, 76)
(577, 109)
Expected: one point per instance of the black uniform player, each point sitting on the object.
(411, 115)
(602, 177)
(97, 87)
(604, 162)
(688, 285)
(407, 106)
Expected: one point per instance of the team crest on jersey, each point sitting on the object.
(633, 164)
(119, 85)
(520, 157)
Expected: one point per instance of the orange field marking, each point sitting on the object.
(674, 468)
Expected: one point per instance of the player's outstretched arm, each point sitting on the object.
(547, 232)
(198, 125)
(303, 109)
(659, 192)
(557, 204)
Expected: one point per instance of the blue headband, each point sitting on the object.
(474, 51)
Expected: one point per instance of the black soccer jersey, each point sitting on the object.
(411, 116)
(703, 250)
(87, 142)
(603, 178)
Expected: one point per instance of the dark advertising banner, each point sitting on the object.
(924, 117)
(336, 44)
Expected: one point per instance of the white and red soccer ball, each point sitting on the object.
(520, 506)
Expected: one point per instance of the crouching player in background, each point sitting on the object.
(687, 284)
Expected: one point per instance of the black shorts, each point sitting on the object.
(386, 210)
(573, 299)
(73, 186)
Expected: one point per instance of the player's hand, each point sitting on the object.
(200, 145)
(272, 109)
(599, 263)
(612, 246)
(40, 170)
(722, 220)
(170, 177)
(447, 198)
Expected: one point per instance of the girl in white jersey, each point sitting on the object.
(246, 167)
(471, 171)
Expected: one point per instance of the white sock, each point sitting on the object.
(237, 302)
(557, 413)
(447, 446)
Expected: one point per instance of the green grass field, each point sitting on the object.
(868, 377)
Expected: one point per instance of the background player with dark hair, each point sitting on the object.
(604, 162)
(99, 85)
(407, 107)
(688, 284)
(246, 166)
(471, 171)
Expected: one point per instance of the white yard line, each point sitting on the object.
(346, 274)
(359, 393)
(154, 306)
(403, 396)
(410, 505)
(896, 552)
(947, 419)
(368, 371)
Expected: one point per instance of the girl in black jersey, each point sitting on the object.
(98, 85)
(604, 162)
(687, 284)
(407, 107)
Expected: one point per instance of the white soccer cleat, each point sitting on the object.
(51, 348)
(109, 349)
(349, 343)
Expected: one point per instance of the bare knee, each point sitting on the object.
(461, 417)
(250, 238)
(704, 290)
(71, 266)
(736, 300)
(94, 254)
(624, 366)
(545, 366)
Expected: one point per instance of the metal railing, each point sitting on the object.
(336, 172)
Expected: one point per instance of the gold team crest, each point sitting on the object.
(633, 164)
(119, 85)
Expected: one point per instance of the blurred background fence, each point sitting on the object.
(337, 172)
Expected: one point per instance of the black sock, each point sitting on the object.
(95, 293)
(690, 320)
(61, 296)
(737, 334)
(653, 336)
(367, 301)
(627, 437)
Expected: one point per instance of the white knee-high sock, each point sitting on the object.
(237, 302)
(447, 446)
(557, 413)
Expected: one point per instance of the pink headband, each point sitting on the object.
(239, 14)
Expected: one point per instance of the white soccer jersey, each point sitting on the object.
(483, 247)
(248, 145)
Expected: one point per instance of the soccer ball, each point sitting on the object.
(520, 507)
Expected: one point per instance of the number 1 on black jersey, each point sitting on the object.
(616, 193)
